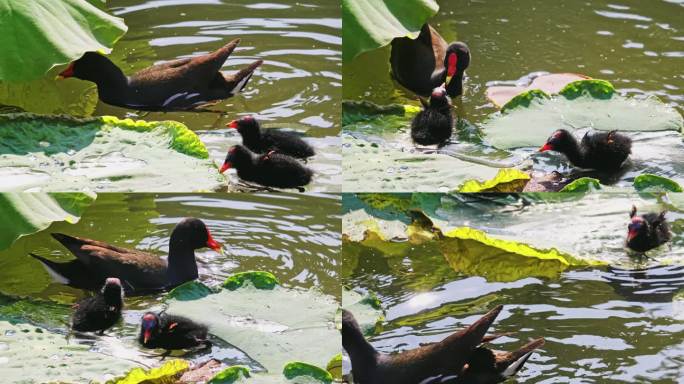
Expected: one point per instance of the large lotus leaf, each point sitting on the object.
(30, 354)
(370, 24)
(58, 153)
(263, 324)
(473, 252)
(581, 104)
(37, 35)
(26, 213)
(507, 180)
(653, 183)
(368, 166)
(48, 96)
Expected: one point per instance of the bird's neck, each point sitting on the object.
(251, 137)
(111, 82)
(574, 152)
(362, 354)
(182, 266)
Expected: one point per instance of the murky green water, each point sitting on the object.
(294, 236)
(615, 323)
(638, 46)
(298, 86)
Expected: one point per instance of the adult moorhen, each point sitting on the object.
(434, 123)
(647, 231)
(100, 312)
(603, 151)
(139, 271)
(171, 332)
(258, 141)
(427, 62)
(176, 85)
(458, 357)
(270, 170)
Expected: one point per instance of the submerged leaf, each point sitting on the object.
(581, 104)
(36, 35)
(191, 290)
(105, 154)
(653, 183)
(26, 213)
(367, 310)
(230, 375)
(370, 24)
(507, 180)
(524, 99)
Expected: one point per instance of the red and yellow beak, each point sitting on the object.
(226, 166)
(233, 124)
(68, 72)
(146, 336)
(546, 147)
(213, 244)
(451, 68)
(631, 234)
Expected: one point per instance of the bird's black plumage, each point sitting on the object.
(647, 231)
(603, 151)
(171, 332)
(271, 169)
(265, 140)
(434, 123)
(100, 312)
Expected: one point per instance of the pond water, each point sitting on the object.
(295, 237)
(617, 322)
(637, 46)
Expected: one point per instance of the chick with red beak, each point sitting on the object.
(647, 231)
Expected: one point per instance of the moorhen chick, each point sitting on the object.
(647, 231)
(258, 141)
(175, 85)
(100, 312)
(434, 123)
(603, 151)
(270, 170)
(427, 62)
(460, 356)
(138, 271)
(171, 332)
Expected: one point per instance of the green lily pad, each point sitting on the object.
(367, 310)
(258, 279)
(40, 34)
(653, 183)
(264, 324)
(230, 375)
(191, 290)
(507, 180)
(166, 374)
(583, 184)
(524, 99)
(550, 83)
(581, 104)
(370, 24)
(103, 154)
(297, 369)
(26, 213)
(473, 252)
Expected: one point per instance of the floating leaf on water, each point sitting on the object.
(583, 184)
(335, 367)
(26, 213)
(367, 310)
(61, 31)
(524, 99)
(653, 183)
(191, 290)
(507, 180)
(370, 25)
(230, 375)
(166, 374)
(550, 84)
(297, 369)
(102, 154)
(581, 104)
